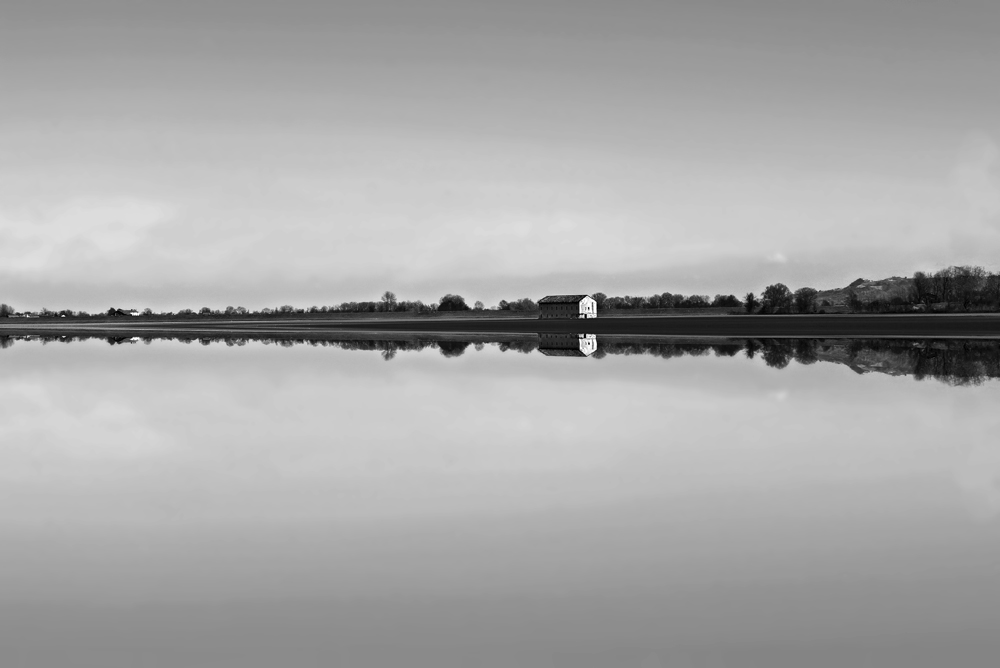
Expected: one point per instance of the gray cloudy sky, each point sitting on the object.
(186, 154)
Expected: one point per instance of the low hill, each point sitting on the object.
(867, 291)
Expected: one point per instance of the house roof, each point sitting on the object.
(562, 299)
(562, 352)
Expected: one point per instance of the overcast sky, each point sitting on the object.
(187, 154)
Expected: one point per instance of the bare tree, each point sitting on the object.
(452, 302)
(805, 300)
(991, 289)
(726, 301)
(777, 298)
(854, 302)
(389, 301)
(923, 284)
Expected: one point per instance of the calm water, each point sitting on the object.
(421, 502)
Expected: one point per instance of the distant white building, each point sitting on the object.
(567, 345)
(567, 306)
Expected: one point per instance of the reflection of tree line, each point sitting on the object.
(957, 362)
(388, 347)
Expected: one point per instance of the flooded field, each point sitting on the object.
(498, 500)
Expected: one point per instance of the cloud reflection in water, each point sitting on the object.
(473, 474)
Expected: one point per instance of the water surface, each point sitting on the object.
(393, 500)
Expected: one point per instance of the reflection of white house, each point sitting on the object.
(568, 345)
(567, 306)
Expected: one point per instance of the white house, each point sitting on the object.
(567, 306)
(567, 345)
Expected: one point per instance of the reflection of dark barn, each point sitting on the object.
(567, 306)
(567, 345)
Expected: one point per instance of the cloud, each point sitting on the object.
(977, 177)
(486, 229)
(978, 476)
(777, 257)
(974, 229)
(88, 232)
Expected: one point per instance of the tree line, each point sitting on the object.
(389, 303)
(965, 288)
(957, 288)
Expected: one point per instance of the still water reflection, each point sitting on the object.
(953, 361)
(655, 502)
